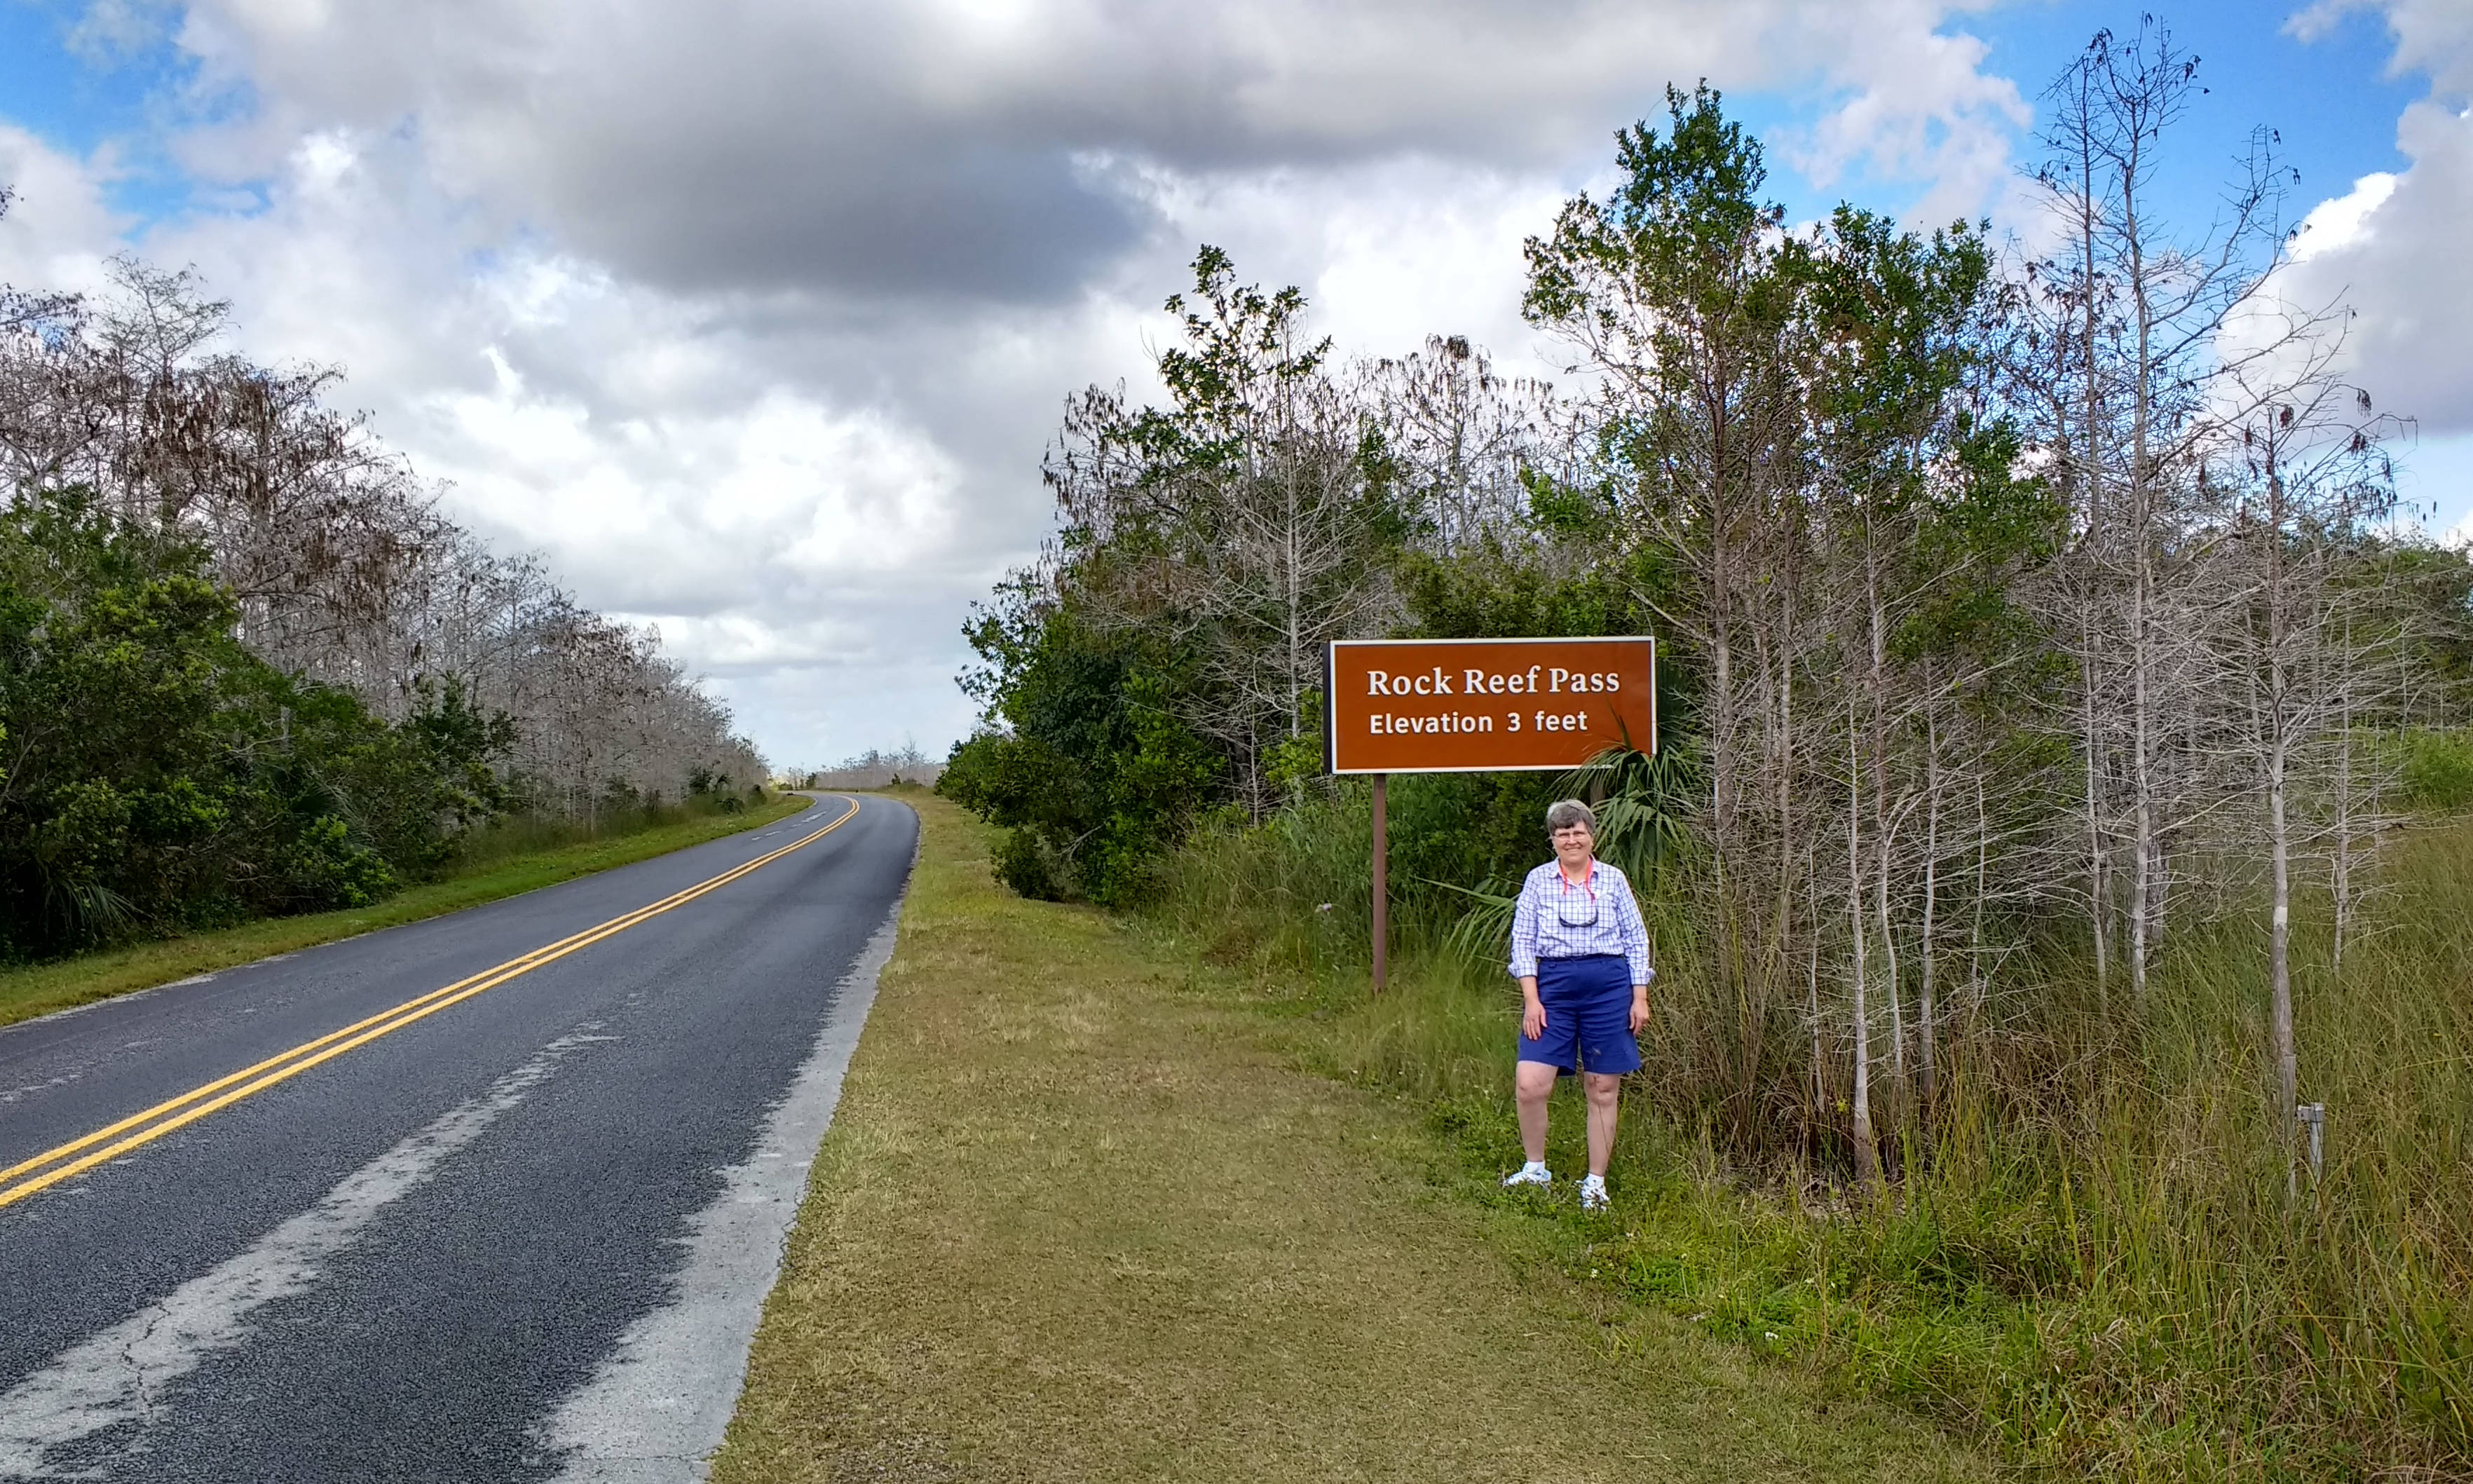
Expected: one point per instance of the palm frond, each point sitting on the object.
(1482, 935)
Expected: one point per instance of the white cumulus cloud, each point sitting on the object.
(755, 315)
(2391, 250)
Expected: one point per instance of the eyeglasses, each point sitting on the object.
(1576, 910)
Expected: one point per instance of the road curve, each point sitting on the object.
(516, 1230)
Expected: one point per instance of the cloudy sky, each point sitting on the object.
(755, 314)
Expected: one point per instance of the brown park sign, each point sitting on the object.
(1480, 705)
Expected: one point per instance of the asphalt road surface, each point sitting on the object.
(496, 1196)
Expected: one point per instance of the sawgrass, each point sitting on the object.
(61, 984)
(1085, 1213)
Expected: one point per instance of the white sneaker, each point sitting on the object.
(1593, 1194)
(1531, 1174)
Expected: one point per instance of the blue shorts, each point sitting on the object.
(1588, 1014)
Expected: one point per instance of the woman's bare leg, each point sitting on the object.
(1531, 1086)
(1605, 1098)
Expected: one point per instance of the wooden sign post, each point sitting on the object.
(1477, 706)
(1382, 884)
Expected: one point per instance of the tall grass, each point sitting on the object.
(2102, 1250)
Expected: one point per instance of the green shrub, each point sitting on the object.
(1093, 775)
(161, 776)
(1021, 864)
(2435, 768)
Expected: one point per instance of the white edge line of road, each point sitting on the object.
(656, 1409)
(113, 1378)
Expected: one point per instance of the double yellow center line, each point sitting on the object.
(79, 1154)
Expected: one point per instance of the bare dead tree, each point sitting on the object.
(2128, 374)
(1245, 519)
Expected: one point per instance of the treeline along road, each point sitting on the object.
(495, 1196)
(248, 666)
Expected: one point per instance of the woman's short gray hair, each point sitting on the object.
(1564, 813)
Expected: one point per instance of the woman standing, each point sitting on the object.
(1580, 952)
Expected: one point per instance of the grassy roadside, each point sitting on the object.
(40, 990)
(2102, 1266)
(1082, 1217)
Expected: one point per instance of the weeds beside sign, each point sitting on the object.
(1480, 705)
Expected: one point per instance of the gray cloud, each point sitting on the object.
(755, 314)
(977, 218)
(937, 148)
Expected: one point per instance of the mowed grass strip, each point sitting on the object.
(44, 988)
(1079, 1221)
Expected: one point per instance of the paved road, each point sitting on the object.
(523, 1235)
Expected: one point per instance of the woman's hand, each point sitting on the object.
(1533, 1011)
(1638, 1008)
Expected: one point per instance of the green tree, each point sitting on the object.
(160, 775)
(1250, 520)
(1082, 761)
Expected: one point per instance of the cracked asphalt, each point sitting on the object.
(525, 1238)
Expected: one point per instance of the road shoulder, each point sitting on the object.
(1075, 1221)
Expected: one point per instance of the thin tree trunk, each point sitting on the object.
(2142, 781)
(2279, 957)
(1881, 816)
(1983, 869)
(2279, 729)
(2142, 536)
(2341, 877)
(1780, 756)
(1723, 784)
(1927, 1058)
(2098, 895)
(1867, 1156)
(2091, 485)
(1812, 984)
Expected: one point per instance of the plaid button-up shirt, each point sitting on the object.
(1558, 920)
